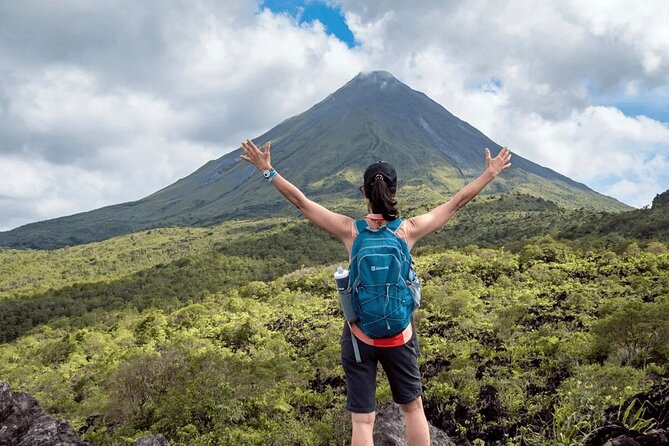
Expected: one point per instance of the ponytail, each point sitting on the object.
(381, 197)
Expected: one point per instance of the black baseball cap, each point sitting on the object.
(385, 169)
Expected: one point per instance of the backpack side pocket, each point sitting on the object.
(414, 287)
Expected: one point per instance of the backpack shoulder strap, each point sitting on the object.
(394, 225)
(361, 226)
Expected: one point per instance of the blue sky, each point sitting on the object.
(650, 107)
(638, 100)
(306, 11)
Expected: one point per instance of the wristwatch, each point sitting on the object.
(269, 174)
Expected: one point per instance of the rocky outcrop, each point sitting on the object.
(389, 429)
(24, 423)
(661, 200)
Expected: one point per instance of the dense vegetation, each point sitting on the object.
(159, 269)
(640, 224)
(164, 268)
(230, 334)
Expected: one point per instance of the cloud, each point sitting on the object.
(35, 189)
(118, 100)
(63, 115)
(107, 102)
(548, 53)
(598, 146)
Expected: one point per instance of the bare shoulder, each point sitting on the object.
(407, 231)
(349, 233)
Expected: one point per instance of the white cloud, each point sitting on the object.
(642, 25)
(263, 73)
(597, 146)
(639, 194)
(66, 102)
(21, 180)
(35, 189)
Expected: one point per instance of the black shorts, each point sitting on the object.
(399, 363)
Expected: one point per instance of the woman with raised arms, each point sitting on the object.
(398, 353)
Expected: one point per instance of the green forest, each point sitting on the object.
(535, 320)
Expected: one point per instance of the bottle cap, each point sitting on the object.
(341, 272)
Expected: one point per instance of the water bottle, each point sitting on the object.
(341, 279)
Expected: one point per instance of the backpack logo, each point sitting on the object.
(378, 268)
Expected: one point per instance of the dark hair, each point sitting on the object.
(381, 196)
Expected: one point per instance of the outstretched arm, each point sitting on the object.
(336, 224)
(422, 225)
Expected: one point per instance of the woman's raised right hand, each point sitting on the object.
(255, 156)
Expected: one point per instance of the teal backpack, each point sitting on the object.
(384, 286)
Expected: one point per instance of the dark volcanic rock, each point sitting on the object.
(661, 199)
(153, 440)
(600, 435)
(389, 429)
(622, 440)
(24, 423)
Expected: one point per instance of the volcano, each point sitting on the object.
(323, 151)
